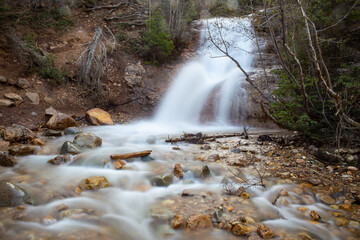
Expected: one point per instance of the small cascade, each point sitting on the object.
(212, 78)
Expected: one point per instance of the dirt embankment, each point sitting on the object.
(133, 88)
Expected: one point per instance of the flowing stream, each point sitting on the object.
(208, 85)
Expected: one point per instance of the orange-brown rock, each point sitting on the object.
(198, 222)
(130, 155)
(97, 116)
(314, 215)
(240, 230)
(37, 141)
(60, 121)
(177, 222)
(178, 171)
(119, 164)
(264, 232)
(93, 183)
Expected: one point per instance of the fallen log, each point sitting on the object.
(130, 155)
(199, 137)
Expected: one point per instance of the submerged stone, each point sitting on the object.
(12, 195)
(87, 140)
(70, 147)
(198, 222)
(94, 183)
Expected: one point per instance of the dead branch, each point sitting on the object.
(108, 6)
(130, 155)
(93, 60)
(277, 197)
(200, 138)
(35, 57)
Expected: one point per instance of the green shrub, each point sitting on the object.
(156, 45)
(49, 71)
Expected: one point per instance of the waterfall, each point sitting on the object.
(211, 83)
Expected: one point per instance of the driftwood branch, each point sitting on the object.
(200, 138)
(130, 155)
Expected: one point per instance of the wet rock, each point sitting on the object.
(151, 139)
(205, 147)
(345, 207)
(52, 133)
(162, 181)
(341, 222)
(213, 158)
(198, 222)
(22, 150)
(6, 103)
(176, 148)
(33, 97)
(17, 133)
(72, 131)
(315, 181)
(87, 140)
(12, 195)
(3, 79)
(6, 160)
(264, 232)
(119, 164)
(97, 116)
(164, 231)
(178, 171)
(71, 212)
(235, 150)
(70, 147)
(188, 193)
(205, 171)
(49, 112)
(4, 145)
(61, 207)
(328, 157)
(314, 215)
(240, 230)
(60, 121)
(177, 222)
(352, 169)
(23, 83)
(14, 97)
(147, 158)
(49, 220)
(264, 138)
(327, 200)
(354, 224)
(216, 217)
(61, 159)
(94, 183)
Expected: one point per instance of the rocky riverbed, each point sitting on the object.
(73, 183)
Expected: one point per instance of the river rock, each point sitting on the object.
(72, 131)
(178, 171)
(341, 222)
(151, 139)
(97, 116)
(264, 232)
(14, 97)
(12, 195)
(119, 164)
(61, 159)
(7, 160)
(213, 158)
(198, 222)
(94, 183)
(49, 112)
(177, 222)
(33, 97)
(235, 150)
(70, 147)
(87, 140)
(22, 150)
(216, 217)
(17, 133)
(205, 147)
(23, 83)
(3, 79)
(4, 145)
(60, 121)
(6, 103)
(240, 230)
(314, 215)
(163, 181)
(327, 200)
(264, 138)
(52, 133)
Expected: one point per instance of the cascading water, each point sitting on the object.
(211, 77)
(132, 208)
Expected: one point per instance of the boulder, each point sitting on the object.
(72, 131)
(12, 195)
(61, 159)
(162, 181)
(14, 97)
(87, 140)
(49, 112)
(70, 147)
(33, 97)
(17, 133)
(97, 116)
(22, 149)
(327, 200)
(60, 121)
(3, 79)
(94, 183)
(52, 133)
(198, 222)
(177, 222)
(6, 103)
(178, 171)
(23, 83)
(133, 75)
(6, 160)
(240, 230)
